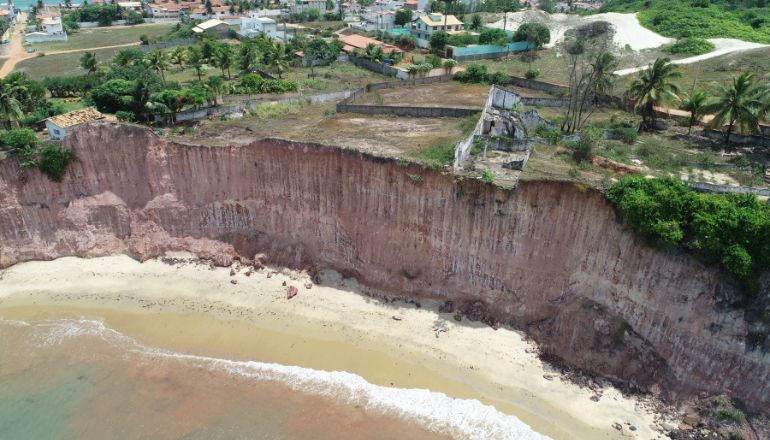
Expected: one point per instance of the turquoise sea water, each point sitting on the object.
(77, 379)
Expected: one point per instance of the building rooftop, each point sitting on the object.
(360, 42)
(436, 19)
(77, 117)
(208, 24)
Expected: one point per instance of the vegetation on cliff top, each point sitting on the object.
(749, 20)
(729, 230)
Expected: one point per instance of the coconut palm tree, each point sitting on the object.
(178, 56)
(223, 58)
(195, 60)
(214, 86)
(737, 104)
(10, 107)
(157, 61)
(89, 62)
(279, 61)
(654, 86)
(694, 103)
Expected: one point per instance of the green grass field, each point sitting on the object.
(66, 64)
(106, 36)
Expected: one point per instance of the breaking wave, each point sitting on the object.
(458, 418)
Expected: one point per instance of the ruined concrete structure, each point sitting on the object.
(548, 258)
(504, 125)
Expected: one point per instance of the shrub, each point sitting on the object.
(627, 134)
(734, 415)
(125, 116)
(727, 230)
(18, 138)
(532, 74)
(487, 176)
(474, 73)
(53, 161)
(493, 36)
(689, 46)
(582, 150)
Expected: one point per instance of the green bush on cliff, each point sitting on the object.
(731, 231)
(53, 161)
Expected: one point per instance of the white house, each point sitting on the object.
(426, 25)
(59, 125)
(379, 20)
(52, 30)
(252, 26)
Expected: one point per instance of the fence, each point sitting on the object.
(751, 140)
(710, 187)
(247, 104)
(485, 51)
(168, 44)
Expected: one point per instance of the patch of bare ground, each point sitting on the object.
(381, 135)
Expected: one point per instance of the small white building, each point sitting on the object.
(252, 26)
(213, 28)
(52, 30)
(59, 125)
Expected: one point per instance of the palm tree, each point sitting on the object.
(279, 61)
(10, 107)
(694, 103)
(157, 61)
(89, 62)
(653, 87)
(737, 104)
(195, 60)
(215, 86)
(178, 56)
(223, 58)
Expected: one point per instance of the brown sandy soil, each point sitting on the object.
(382, 135)
(15, 51)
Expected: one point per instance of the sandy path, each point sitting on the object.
(723, 46)
(628, 30)
(464, 359)
(15, 52)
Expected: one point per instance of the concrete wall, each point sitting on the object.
(550, 88)
(738, 139)
(710, 187)
(404, 110)
(544, 102)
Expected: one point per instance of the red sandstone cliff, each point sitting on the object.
(548, 257)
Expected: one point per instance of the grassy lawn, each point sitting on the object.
(105, 36)
(66, 64)
(337, 76)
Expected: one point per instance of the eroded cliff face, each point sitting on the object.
(548, 258)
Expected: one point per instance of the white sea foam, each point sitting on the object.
(458, 418)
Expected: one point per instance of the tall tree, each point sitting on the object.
(195, 60)
(737, 104)
(89, 62)
(223, 58)
(652, 87)
(694, 103)
(476, 23)
(157, 61)
(10, 107)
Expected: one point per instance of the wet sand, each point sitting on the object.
(191, 308)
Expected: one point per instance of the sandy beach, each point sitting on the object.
(180, 304)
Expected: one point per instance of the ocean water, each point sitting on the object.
(78, 379)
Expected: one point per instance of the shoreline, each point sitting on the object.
(187, 306)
